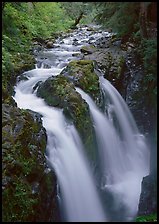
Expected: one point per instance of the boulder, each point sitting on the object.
(60, 92)
(82, 74)
(88, 49)
(148, 197)
(28, 189)
(21, 62)
(49, 44)
(112, 61)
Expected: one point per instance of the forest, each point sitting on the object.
(71, 55)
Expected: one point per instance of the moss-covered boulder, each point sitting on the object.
(60, 92)
(88, 49)
(112, 61)
(20, 63)
(82, 74)
(27, 187)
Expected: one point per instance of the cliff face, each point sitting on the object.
(28, 188)
(148, 197)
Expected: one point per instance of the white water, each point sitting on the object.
(122, 149)
(65, 155)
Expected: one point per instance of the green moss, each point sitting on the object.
(19, 62)
(120, 68)
(23, 163)
(83, 76)
(19, 202)
(60, 92)
(147, 218)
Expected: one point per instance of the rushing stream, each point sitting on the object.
(124, 157)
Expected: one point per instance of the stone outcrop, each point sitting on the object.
(148, 197)
(60, 92)
(21, 62)
(111, 60)
(28, 188)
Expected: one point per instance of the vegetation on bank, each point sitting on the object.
(20, 168)
(135, 22)
(21, 23)
(147, 218)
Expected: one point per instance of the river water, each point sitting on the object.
(124, 156)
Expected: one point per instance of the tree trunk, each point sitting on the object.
(78, 19)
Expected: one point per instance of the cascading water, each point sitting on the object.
(65, 154)
(122, 149)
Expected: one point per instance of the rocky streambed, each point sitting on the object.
(79, 55)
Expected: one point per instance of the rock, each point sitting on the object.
(148, 197)
(88, 49)
(49, 44)
(37, 48)
(39, 40)
(112, 61)
(60, 92)
(82, 74)
(23, 165)
(90, 29)
(117, 43)
(21, 63)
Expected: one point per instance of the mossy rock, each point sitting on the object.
(112, 62)
(88, 49)
(21, 62)
(23, 165)
(82, 74)
(60, 92)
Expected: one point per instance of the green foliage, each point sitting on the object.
(42, 19)
(147, 218)
(75, 8)
(148, 54)
(124, 18)
(18, 202)
(86, 78)
(20, 23)
(121, 17)
(60, 92)
(22, 163)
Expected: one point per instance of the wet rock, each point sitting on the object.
(49, 44)
(60, 92)
(117, 43)
(23, 164)
(148, 197)
(90, 29)
(112, 61)
(39, 40)
(88, 49)
(82, 74)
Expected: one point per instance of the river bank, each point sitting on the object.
(86, 53)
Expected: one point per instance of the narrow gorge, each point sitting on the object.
(95, 155)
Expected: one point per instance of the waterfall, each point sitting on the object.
(77, 186)
(65, 154)
(123, 151)
(123, 154)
